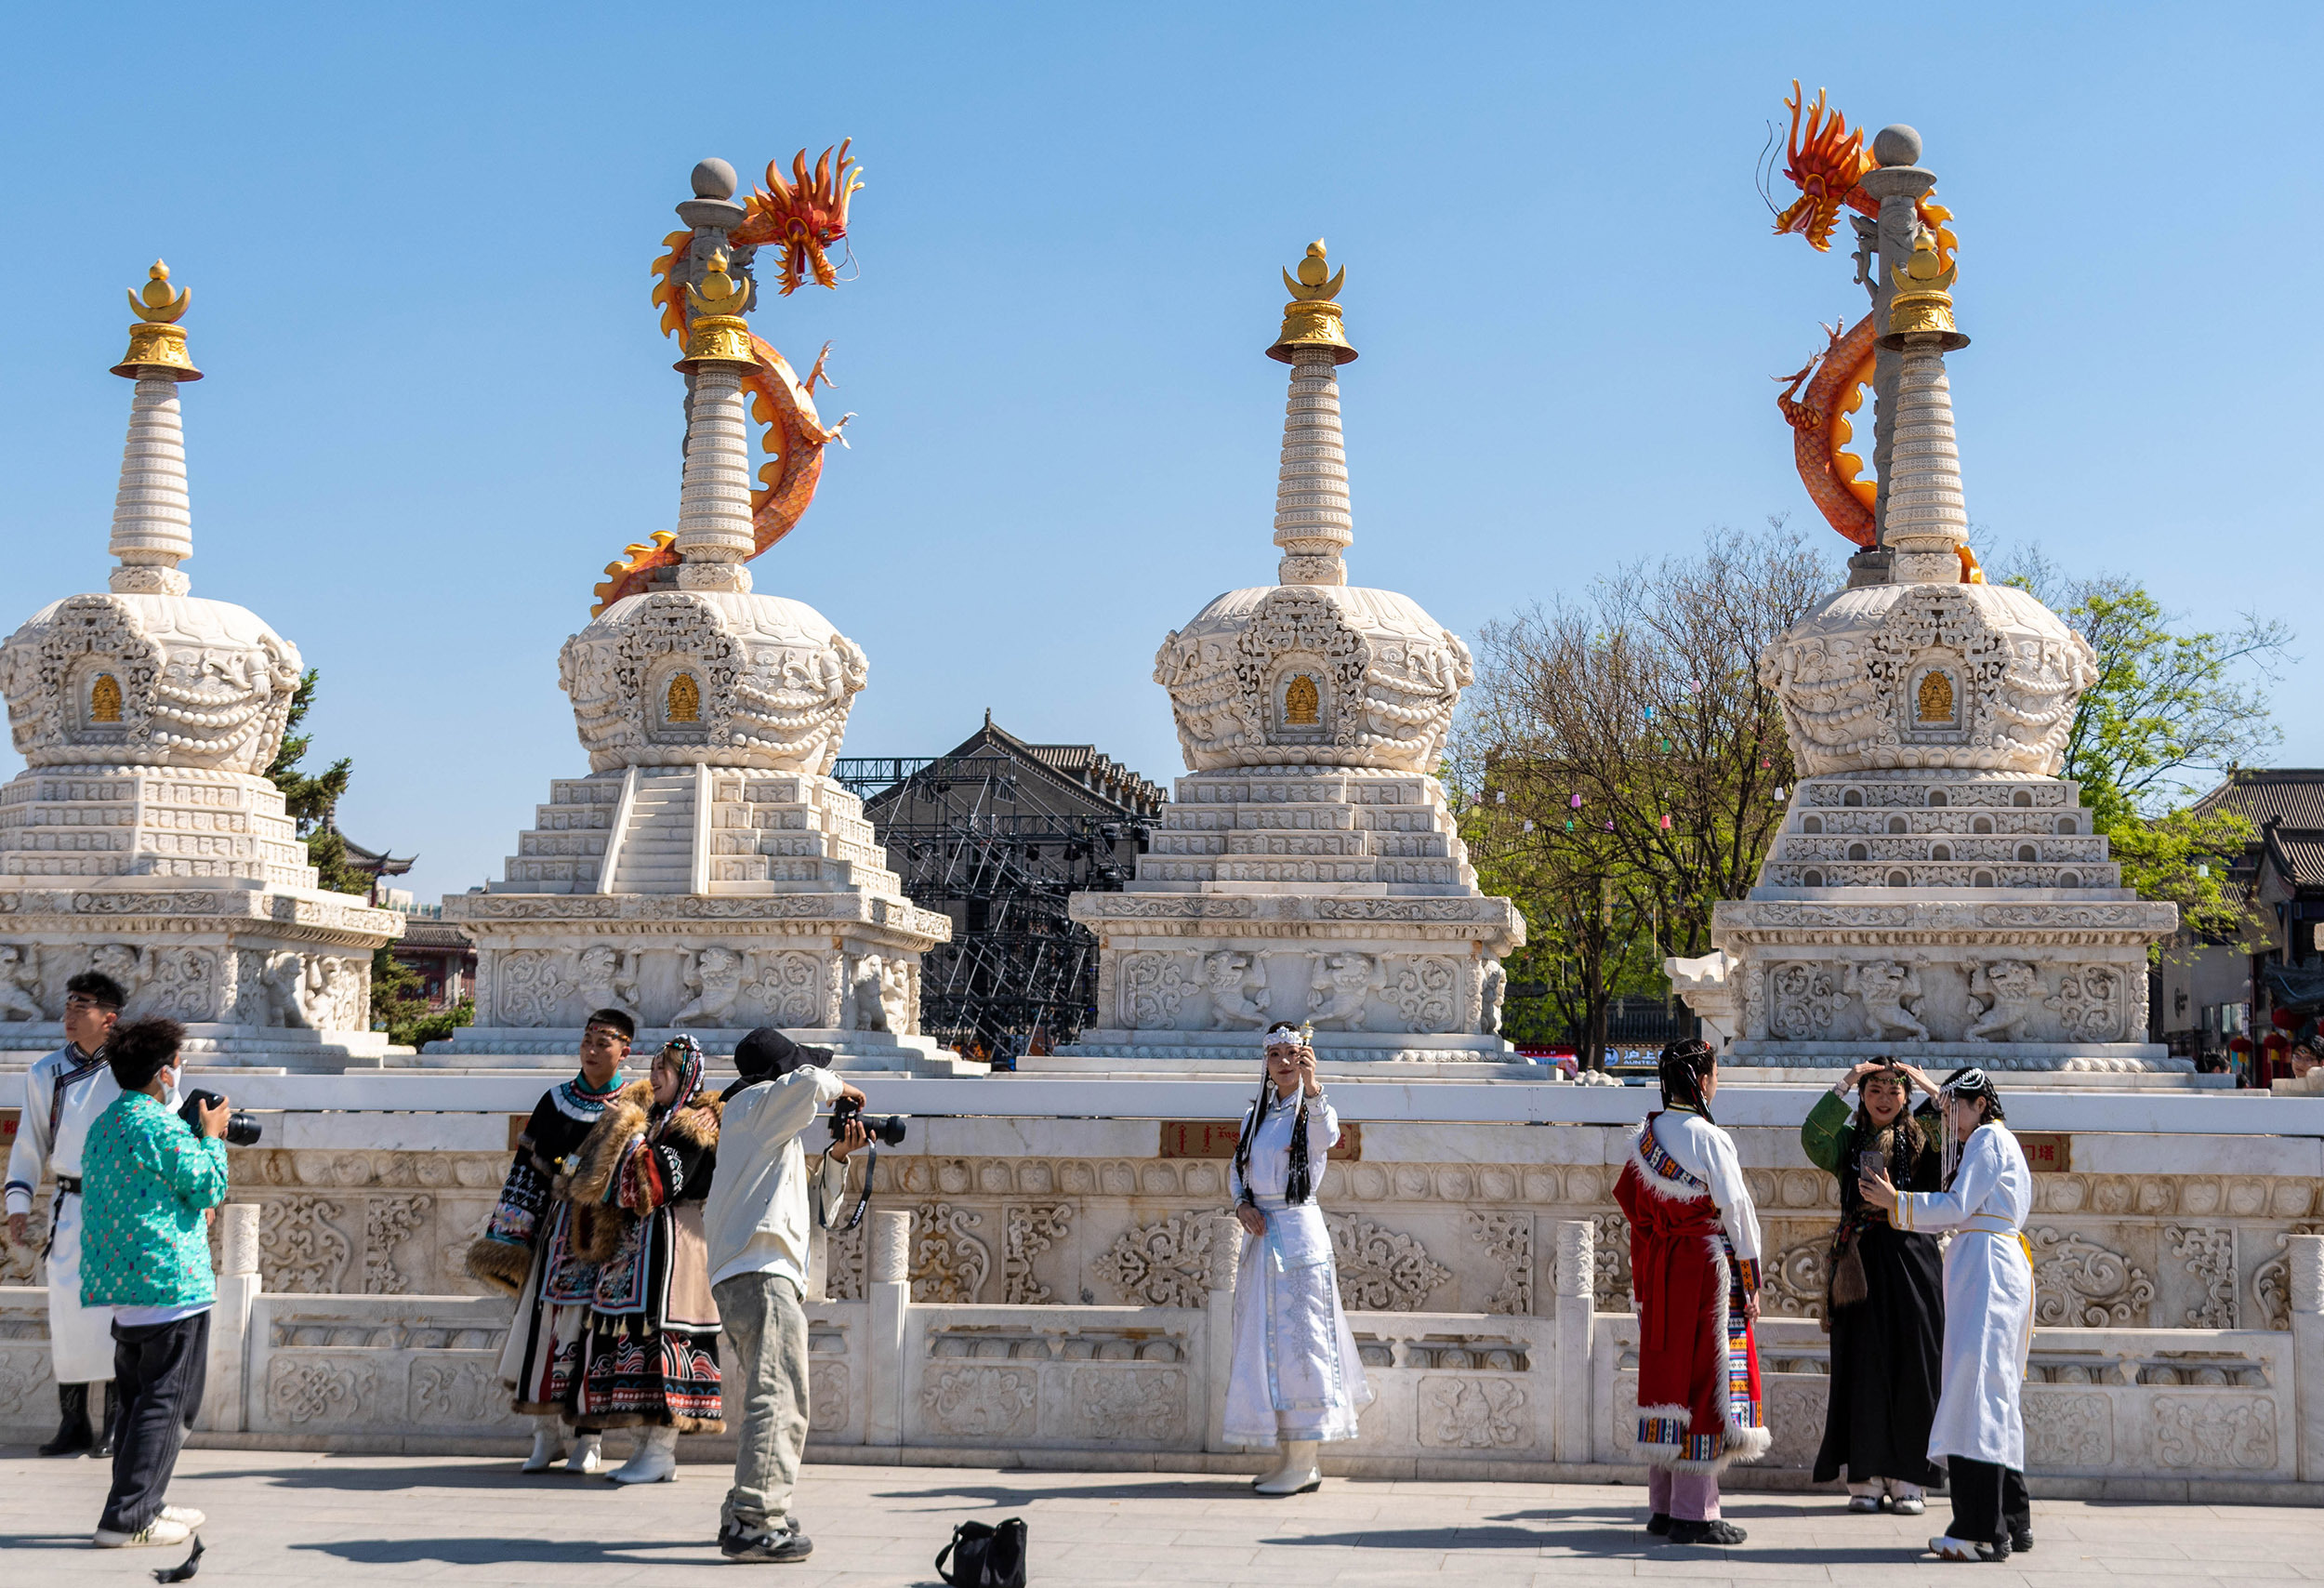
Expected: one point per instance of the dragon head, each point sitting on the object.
(1824, 166)
(804, 216)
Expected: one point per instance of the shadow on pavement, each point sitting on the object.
(380, 1480)
(42, 1540)
(502, 1552)
(1002, 1496)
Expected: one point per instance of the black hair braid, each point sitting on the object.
(1298, 1184)
(1681, 1070)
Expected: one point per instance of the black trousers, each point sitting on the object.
(159, 1371)
(1990, 1502)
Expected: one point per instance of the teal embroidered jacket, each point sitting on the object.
(145, 1180)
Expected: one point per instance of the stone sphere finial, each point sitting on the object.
(714, 178)
(1897, 145)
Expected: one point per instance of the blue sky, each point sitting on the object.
(437, 403)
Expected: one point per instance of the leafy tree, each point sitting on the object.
(398, 1003)
(1641, 700)
(312, 799)
(2168, 701)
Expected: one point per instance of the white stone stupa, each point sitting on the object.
(1308, 869)
(1937, 891)
(143, 838)
(709, 875)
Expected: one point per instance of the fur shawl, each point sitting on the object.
(597, 1225)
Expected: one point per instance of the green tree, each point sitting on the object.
(1641, 698)
(2169, 700)
(312, 799)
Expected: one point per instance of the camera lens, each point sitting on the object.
(242, 1130)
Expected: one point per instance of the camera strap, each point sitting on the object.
(863, 1200)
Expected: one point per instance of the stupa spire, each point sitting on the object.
(153, 515)
(1927, 523)
(714, 528)
(1313, 521)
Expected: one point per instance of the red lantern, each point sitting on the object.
(2285, 1020)
(2239, 1044)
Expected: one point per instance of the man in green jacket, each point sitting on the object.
(147, 1185)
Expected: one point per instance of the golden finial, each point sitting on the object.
(715, 327)
(1923, 304)
(156, 344)
(1311, 318)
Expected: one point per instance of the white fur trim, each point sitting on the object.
(1681, 1415)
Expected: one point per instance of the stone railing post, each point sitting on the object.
(2305, 1273)
(1577, 1286)
(1218, 1328)
(889, 1289)
(224, 1405)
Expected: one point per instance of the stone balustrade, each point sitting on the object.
(2126, 1411)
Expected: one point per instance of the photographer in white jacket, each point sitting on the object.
(756, 1227)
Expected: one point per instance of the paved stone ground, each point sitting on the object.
(375, 1519)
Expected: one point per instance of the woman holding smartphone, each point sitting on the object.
(1885, 1296)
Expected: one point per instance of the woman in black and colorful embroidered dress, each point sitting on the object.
(1886, 1298)
(1695, 1274)
(527, 1248)
(650, 1346)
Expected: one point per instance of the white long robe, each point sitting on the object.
(1989, 1298)
(64, 1092)
(1296, 1372)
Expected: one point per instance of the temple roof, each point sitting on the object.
(2293, 795)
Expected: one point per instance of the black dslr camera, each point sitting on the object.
(242, 1130)
(885, 1129)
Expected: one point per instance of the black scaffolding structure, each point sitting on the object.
(998, 834)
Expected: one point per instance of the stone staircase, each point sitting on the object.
(658, 849)
(1311, 828)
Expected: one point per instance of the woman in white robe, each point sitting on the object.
(1296, 1380)
(1980, 1429)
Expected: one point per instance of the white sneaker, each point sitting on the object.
(184, 1514)
(655, 1462)
(160, 1531)
(588, 1456)
(1947, 1547)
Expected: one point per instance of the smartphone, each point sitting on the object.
(1871, 1163)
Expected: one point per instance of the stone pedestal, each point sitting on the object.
(1332, 895)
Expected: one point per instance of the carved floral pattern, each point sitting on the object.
(2214, 1433)
(1381, 1270)
(1508, 1239)
(1026, 1233)
(299, 1250)
(1473, 1415)
(326, 1389)
(2209, 1253)
(981, 1402)
(948, 1264)
(388, 1223)
(1137, 1405)
(1162, 1265)
(2079, 1283)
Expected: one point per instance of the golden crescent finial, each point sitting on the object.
(157, 304)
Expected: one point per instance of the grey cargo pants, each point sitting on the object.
(767, 1330)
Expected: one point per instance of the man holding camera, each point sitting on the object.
(756, 1225)
(145, 1251)
(64, 1095)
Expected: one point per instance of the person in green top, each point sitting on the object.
(148, 1183)
(1885, 1301)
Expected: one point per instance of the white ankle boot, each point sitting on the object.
(657, 1461)
(589, 1454)
(548, 1444)
(1298, 1475)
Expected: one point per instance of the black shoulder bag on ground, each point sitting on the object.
(985, 1557)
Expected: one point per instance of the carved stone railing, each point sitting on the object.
(2108, 1410)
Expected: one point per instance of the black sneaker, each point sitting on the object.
(1659, 1524)
(778, 1545)
(2021, 1542)
(1706, 1534)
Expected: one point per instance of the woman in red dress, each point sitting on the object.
(1693, 1252)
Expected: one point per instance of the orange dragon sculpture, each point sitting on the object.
(802, 218)
(1826, 161)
